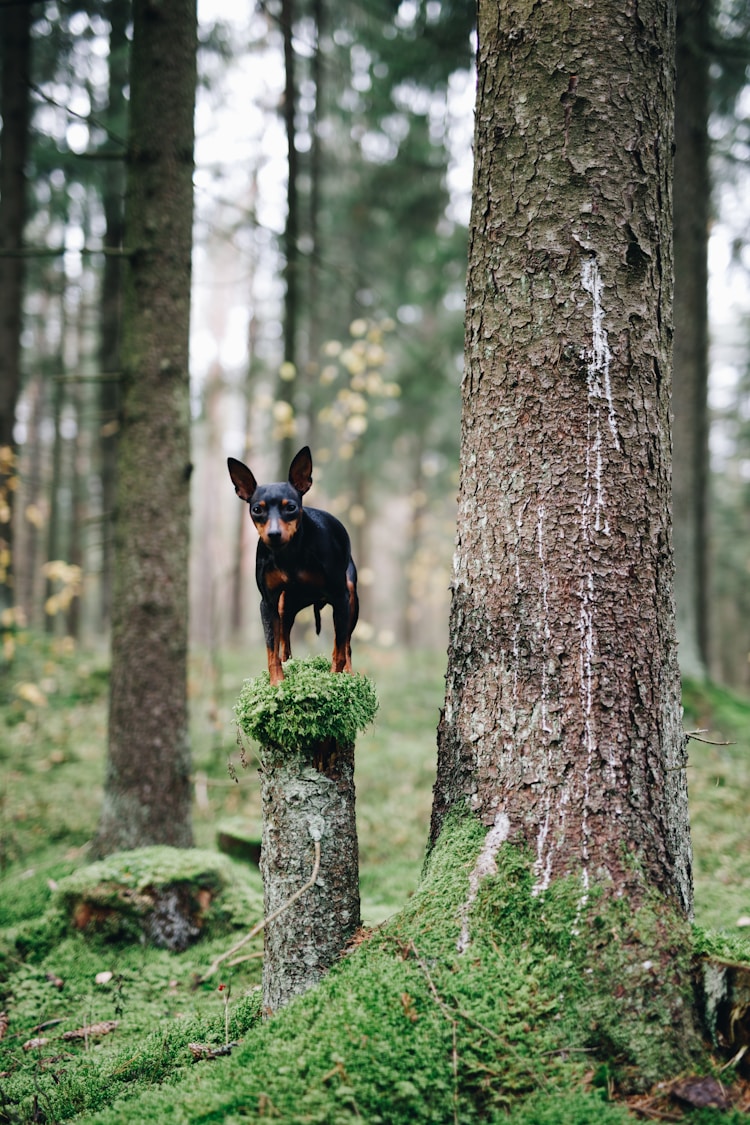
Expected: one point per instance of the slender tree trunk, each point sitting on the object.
(75, 552)
(291, 231)
(315, 295)
(692, 202)
(562, 719)
(113, 189)
(54, 529)
(15, 56)
(240, 579)
(32, 473)
(410, 590)
(147, 792)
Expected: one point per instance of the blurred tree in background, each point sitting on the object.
(728, 533)
(692, 207)
(15, 54)
(148, 792)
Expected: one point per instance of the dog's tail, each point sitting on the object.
(316, 608)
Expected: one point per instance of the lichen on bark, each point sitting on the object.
(306, 726)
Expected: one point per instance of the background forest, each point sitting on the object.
(327, 305)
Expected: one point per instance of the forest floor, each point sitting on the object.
(134, 1010)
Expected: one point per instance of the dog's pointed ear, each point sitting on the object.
(300, 471)
(243, 480)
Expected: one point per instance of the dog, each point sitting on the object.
(303, 558)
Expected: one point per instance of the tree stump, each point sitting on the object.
(306, 727)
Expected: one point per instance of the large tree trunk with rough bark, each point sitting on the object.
(147, 794)
(562, 721)
(692, 203)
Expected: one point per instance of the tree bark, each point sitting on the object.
(290, 317)
(306, 727)
(54, 522)
(113, 190)
(562, 717)
(15, 46)
(147, 792)
(304, 803)
(692, 202)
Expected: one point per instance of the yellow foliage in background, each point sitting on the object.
(70, 578)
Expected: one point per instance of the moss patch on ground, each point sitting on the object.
(89, 1015)
(407, 1029)
(165, 895)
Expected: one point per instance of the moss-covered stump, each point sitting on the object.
(159, 894)
(239, 839)
(306, 727)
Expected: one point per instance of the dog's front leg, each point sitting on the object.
(273, 634)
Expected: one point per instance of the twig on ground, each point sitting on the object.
(451, 1020)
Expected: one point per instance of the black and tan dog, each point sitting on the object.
(304, 558)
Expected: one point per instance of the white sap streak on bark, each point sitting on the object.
(593, 522)
(598, 368)
(484, 866)
(545, 615)
(543, 862)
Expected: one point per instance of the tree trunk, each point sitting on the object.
(75, 552)
(306, 727)
(113, 188)
(315, 294)
(54, 532)
(304, 803)
(147, 792)
(15, 55)
(32, 473)
(291, 234)
(692, 202)
(240, 575)
(562, 719)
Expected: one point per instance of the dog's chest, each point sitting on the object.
(304, 583)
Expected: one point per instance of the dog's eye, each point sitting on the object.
(290, 508)
(257, 510)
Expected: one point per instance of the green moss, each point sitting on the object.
(724, 946)
(640, 1007)
(407, 1030)
(117, 896)
(310, 705)
(148, 867)
(549, 1026)
(576, 1107)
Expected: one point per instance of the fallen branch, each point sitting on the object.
(264, 921)
(695, 735)
(451, 1020)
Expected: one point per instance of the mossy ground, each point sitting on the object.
(404, 1028)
